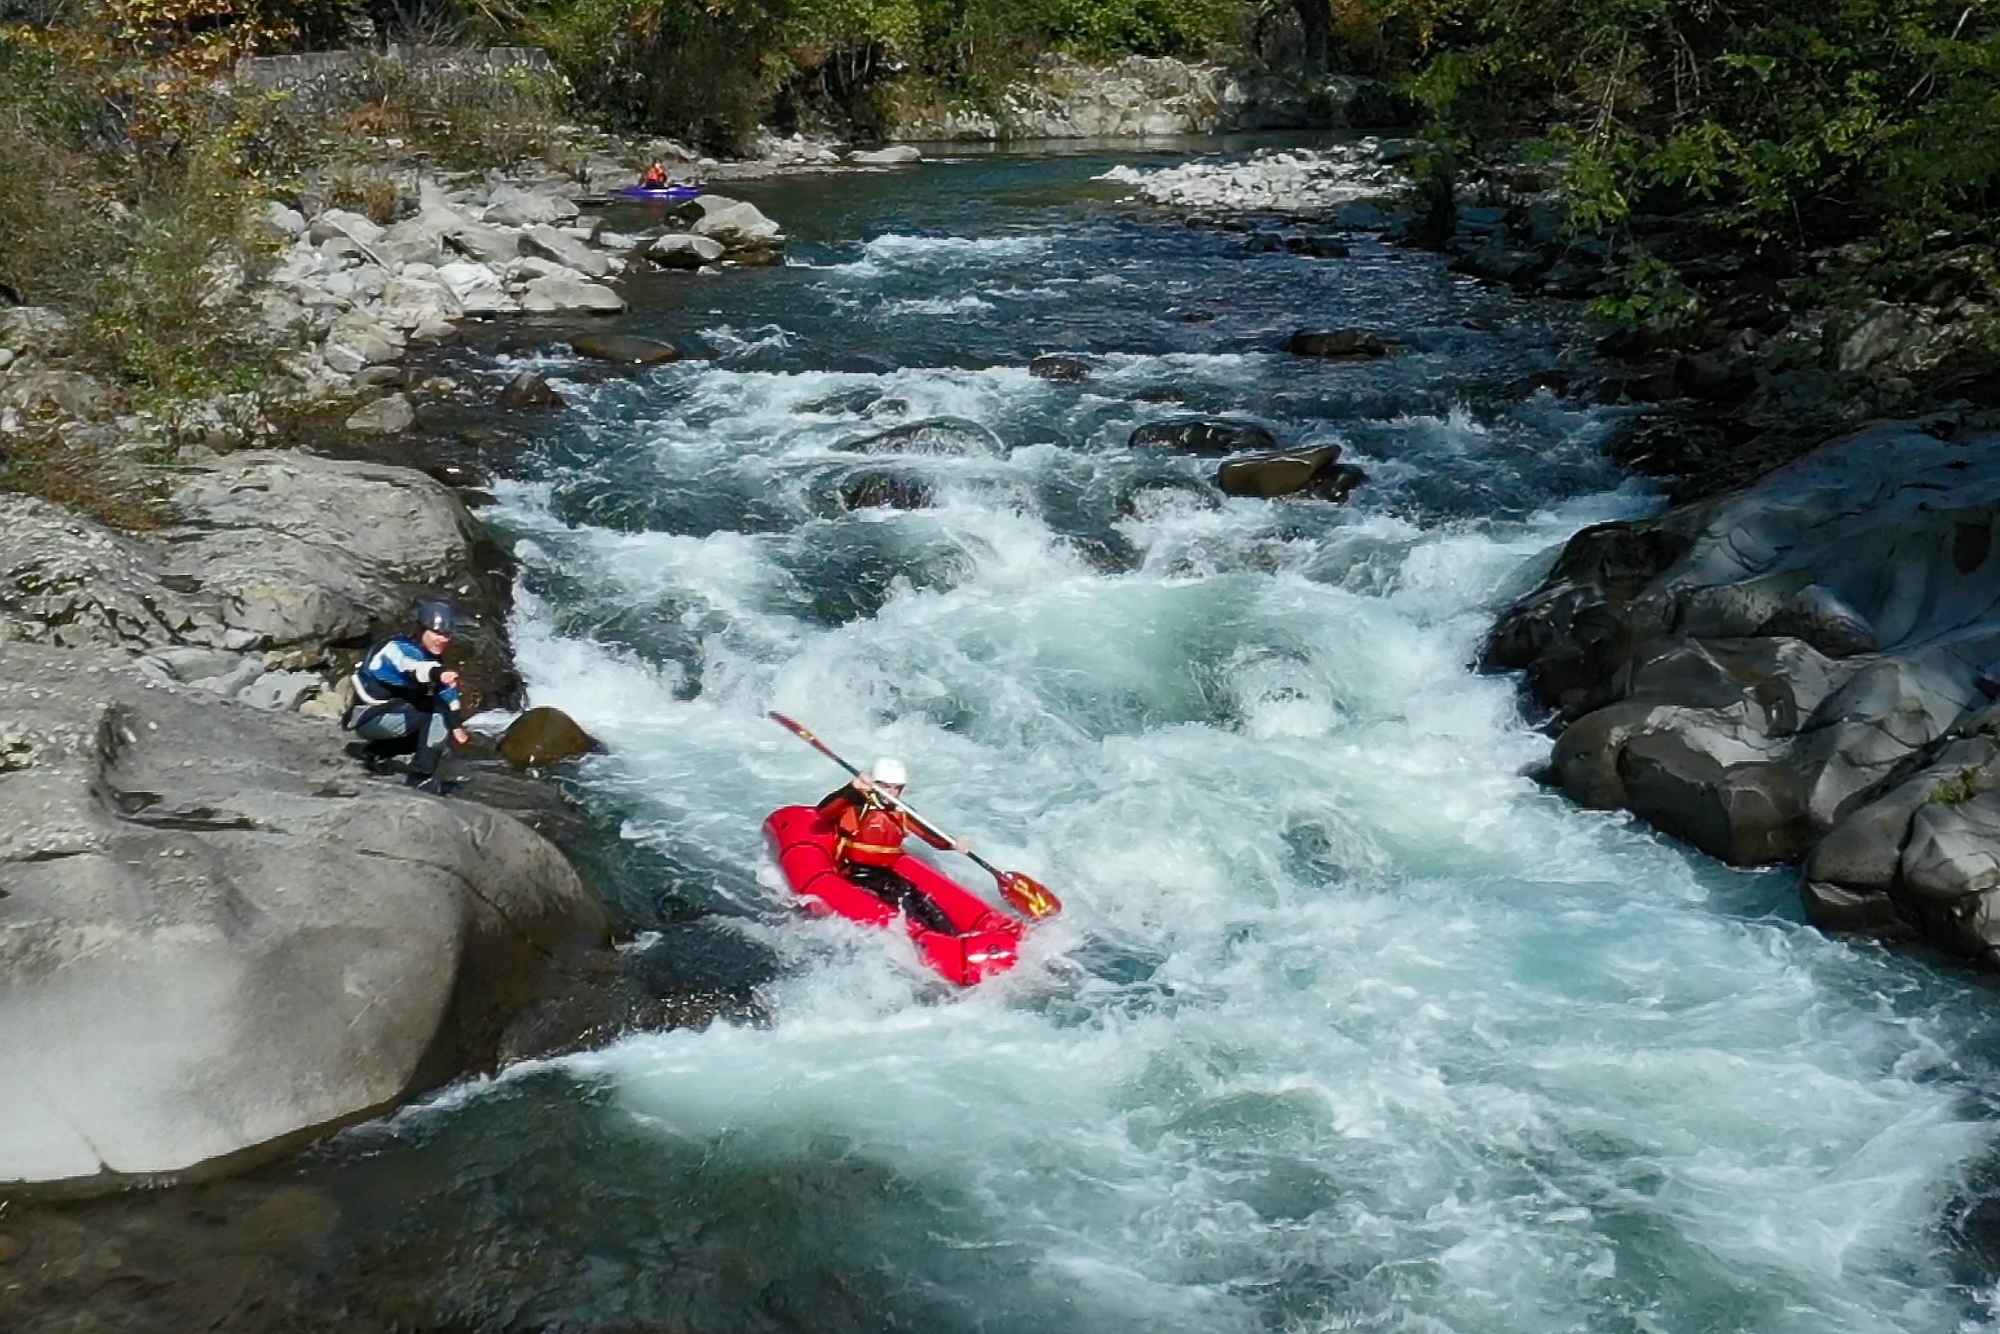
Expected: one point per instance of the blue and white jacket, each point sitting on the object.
(400, 669)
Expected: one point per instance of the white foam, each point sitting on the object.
(1409, 1042)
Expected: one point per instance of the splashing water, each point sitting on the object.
(1348, 1025)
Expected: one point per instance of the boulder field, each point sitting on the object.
(218, 935)
(1803, 670)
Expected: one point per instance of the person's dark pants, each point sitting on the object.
(899, 893)
(402, 728)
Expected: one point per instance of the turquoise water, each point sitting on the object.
(1348, 1024)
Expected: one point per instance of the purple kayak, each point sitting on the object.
(664, 194)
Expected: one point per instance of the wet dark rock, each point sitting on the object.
(545, 736)
(1160, 393)
(1793, 671)
(1203, 435)
(1335, 344)
(860, 363)
(846, 403)
(1281, 474)
(1152, 497)
(882, 490)
(1337, 483)
(1263, 243)
(955, 437)
(1059, 366)
(458, 476)
(1197, 316)
(686, 975)
(625, 349)
(529, 390)
(1318, 247)
(1720, 376)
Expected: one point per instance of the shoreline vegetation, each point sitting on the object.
(1781, 216)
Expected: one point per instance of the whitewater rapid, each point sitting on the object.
(1347, 1025)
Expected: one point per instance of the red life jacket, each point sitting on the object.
(870, 835)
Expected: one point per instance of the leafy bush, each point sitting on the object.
(1793, 123)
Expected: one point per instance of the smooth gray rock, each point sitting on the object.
(1795, 669)
(895, 155)
(565, 250)
(298, 551)
(280, 692)
(566, 292)
(217, 939)
(511, 206)
(684, 250)
(387, 415)
(739, 226)
(487, 245)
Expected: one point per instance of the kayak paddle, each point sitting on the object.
(1027, 894)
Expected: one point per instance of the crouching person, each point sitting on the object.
(406, 702)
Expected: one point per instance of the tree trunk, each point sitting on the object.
(1316, 19)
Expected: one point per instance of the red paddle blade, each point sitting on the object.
(1031, 897)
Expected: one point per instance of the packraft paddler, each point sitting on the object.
(654, 177)
(869, 838)
(406, 701)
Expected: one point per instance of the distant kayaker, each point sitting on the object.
(655, 177)
(406, 702)
(870, 839)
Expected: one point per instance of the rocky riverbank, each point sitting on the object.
(1799, 670)
(221, 937)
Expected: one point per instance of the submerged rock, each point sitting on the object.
(1275, 474)
(884, 490)
(1059, 366)
(1203, 435)
(1333, 344)
(1336, 483)
(545, 736)
(947, 436)
(626, 349)
(529, 390)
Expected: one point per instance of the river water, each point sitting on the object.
(1347, 1026)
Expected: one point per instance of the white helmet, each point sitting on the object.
(889, 770)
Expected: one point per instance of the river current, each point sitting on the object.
(1348, 1025)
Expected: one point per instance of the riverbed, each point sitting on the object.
(1347, 1025)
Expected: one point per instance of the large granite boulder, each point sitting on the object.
(274, 552)
(1797, 670)
(218, 939)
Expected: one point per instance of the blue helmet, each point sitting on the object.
(437, 616)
